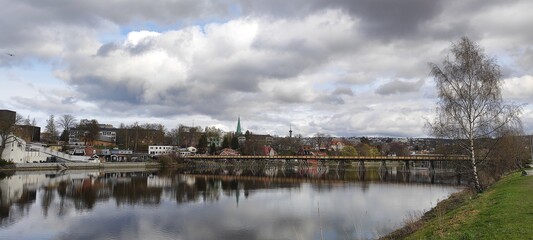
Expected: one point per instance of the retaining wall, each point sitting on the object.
(58, 166)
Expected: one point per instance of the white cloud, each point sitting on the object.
(518, 88)
(340, 67)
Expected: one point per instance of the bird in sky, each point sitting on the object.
(10, 54)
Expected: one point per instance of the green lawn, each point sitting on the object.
(504, 211)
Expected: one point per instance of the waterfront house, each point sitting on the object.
(18, 151)
(161, 150)
(337, 144)
(269, 151)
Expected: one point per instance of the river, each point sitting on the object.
(272, 202)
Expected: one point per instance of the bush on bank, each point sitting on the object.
(6, 164)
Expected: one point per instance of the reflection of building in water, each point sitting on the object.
(270, 171)
(14, 187)
(156, 181)
(189, 180)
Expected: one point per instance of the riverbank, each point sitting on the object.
(76, 166)
(504, 211)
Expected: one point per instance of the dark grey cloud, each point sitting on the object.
(246, 74)
(107, 48)
(381, 19)
(47, 104)
(343, 91)
(96, 89)
(399, 87)
(91, 13)
(386, 19)
(128, 96)
(333, 100)
(525, 60)
(69, 100)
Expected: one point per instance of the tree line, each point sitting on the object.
(210, 140)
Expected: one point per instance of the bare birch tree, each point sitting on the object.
(470, 107)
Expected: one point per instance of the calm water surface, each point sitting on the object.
(268, 203)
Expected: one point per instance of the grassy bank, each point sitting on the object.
(504, 211)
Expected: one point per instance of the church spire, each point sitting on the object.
(238, 132)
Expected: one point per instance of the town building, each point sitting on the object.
(19, 151)
(28, 132)
(107, 134)
(337, 144)
(116, 155)
(7, 118)
(162, 150)
(138, 138)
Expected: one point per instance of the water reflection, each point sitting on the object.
(272, 202)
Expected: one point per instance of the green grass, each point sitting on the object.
(504, 211)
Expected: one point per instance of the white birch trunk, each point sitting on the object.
(474, 166)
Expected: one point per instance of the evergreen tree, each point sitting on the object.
(212, 149)
(202, 144)
(226, 141)
(235, 143)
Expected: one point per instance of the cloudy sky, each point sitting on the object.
(340, 67)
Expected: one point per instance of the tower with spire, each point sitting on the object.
(290, 131)
(238, 132)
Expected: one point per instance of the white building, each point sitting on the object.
(107, 133)
(18, 151)
(167, 150)
(161, 150)
(15, 150)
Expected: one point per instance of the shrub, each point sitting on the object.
(166, 161)
(5, 163)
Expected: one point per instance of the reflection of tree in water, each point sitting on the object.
(136, 192)
(4, 175)
(207, 186)
(9, 215)
(231, 188)
(203, 188)
(4, 212)
(46, 199)
(321, 171)
(84, 197)
(11, 211)
(186, 193)
(62, 192)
